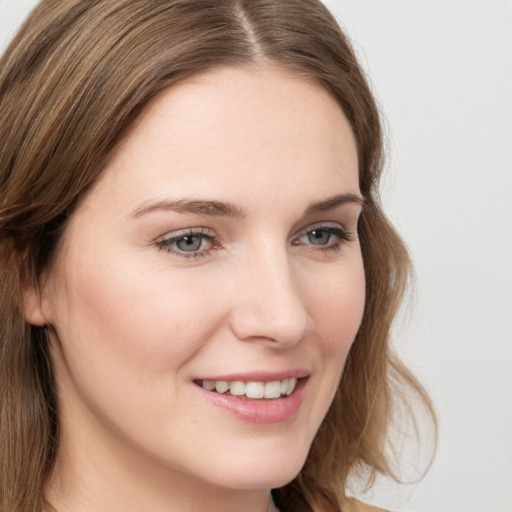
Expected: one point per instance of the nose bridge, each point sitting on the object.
(270, 303)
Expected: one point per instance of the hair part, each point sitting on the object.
(71, 83)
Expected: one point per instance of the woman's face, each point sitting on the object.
(218, 248)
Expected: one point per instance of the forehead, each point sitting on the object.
(235, 134)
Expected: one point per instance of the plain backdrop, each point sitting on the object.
(442, 72)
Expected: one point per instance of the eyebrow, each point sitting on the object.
(227, 209)
(334, 202)
(197, 206)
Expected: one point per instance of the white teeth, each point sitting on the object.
(291, 386)
(237, 388)
(255, 390)
(252, 389)
(221, 386)
(273, 389)
(209, 385)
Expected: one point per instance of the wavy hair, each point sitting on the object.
(71, 82)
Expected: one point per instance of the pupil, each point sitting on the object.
(318, 237)
(189, 243)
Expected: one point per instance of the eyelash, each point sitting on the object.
(343, 236)
(202, 233)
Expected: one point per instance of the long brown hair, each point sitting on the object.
(71, 82)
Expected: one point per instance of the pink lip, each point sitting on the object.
(264, 376)
(258, 411)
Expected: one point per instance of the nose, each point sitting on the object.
(269, 301)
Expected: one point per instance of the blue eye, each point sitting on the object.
(318, 237)
(190, 243)
(325, 237)
(187, 243)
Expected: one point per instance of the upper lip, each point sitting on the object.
(260, 376)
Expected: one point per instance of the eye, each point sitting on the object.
(324, 237)
(318, 237)
(190, 243)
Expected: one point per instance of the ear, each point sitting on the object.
(25, 289)
(34, 301)
(32, 306)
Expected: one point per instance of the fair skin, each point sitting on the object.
(219, 244)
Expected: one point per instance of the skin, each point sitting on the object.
(136, 320)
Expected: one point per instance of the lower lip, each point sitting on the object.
(259, 411)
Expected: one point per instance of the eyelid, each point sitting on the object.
(339, 236)
(165, 242)
(323, 226)
(173, 235)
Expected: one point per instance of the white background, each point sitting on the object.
(442, 70)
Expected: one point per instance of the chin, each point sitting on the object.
(259, 480)
(268, 471)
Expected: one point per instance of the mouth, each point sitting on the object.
(256, 401)
(251, 390)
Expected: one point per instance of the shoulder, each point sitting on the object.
(353, 505)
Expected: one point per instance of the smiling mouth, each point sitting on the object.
(252, 390)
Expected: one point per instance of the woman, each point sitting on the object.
(198, 281)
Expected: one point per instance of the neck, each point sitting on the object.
(271, 506)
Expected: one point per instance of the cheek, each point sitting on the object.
(339, 308)
(339, 311)
(126, 338)
(142, 318)
(124, 332)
